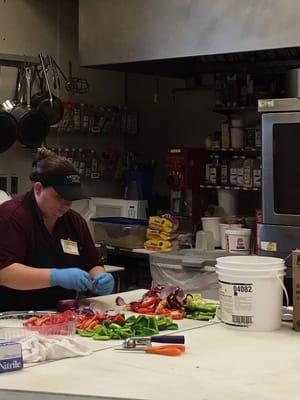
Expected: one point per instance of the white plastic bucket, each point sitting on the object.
(238, 241)
(224, 227)
(250, 291)
(211, 224)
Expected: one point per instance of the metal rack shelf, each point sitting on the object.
(253, 189)
(232, 150)
(233, 110)
(16, 60)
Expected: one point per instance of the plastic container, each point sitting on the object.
(223, 228)
(211, 224)
(238, 240)
(12, 325)
(250, 292)
(128, 233)
(191, 269)
(227, 199)
(204, 240)
(237, 137)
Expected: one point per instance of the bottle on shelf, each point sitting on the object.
(84, 117)
(225, 135)
(224, 172)
(76, 117)
(237, 134)
(240, 171)
(207, 169)
(81, 162)
(250, 137)
(233, 171)
(88, 164)
(258, 135)
(95, 165)
(257, 172)
(248, 172)
(215, 170)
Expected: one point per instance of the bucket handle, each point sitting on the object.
(284, 289)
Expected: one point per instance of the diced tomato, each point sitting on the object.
(145, 310)
(149, 302)
(177, 314)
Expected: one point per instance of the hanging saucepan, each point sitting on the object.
(47, 102)
(33, 125)
(8, 130)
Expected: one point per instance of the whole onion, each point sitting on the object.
(69, 304)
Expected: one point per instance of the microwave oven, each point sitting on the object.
(279, 232)
(281, 161)
(109, 207)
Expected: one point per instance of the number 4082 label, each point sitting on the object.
(236, 303)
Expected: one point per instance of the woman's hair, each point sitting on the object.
(49, 163)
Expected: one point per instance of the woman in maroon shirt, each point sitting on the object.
(46, 250)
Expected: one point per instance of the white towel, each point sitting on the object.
(38, 348)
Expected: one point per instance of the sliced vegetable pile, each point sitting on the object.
(197, 308)
(171, 301)
(160, 300)
(141, 325)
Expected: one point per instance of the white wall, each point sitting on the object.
(32, 26)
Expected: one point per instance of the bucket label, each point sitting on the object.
(236, 303)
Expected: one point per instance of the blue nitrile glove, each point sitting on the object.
(71, 278)
(104, 283)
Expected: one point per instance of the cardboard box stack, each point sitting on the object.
(162, 233)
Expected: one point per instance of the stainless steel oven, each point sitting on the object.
(280, 123)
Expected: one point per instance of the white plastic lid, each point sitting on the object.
(238, 232)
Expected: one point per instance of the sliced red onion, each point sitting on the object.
(87, 311)
(111, 313)
(120, 301)
(179, 293)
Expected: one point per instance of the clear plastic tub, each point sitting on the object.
(128, 233)
(12, 325)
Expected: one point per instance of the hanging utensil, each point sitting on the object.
(72, 84)
(47, 102)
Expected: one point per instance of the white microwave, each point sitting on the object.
(107, 207)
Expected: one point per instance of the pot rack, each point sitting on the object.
(16, 60)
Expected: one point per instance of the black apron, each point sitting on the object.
(46, 252)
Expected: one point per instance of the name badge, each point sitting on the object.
(69, 247)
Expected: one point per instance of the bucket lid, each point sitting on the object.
(238, 231)
(249, 261)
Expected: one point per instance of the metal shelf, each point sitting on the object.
(16, 60)
(232, 110)
(232, 150)
(252, 189)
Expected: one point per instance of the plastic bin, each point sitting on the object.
(12, 325)
(191, 269)
(127, 233)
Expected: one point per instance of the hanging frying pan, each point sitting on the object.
(33, 125)
(8, 130)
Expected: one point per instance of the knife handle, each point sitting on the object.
(179, 339)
